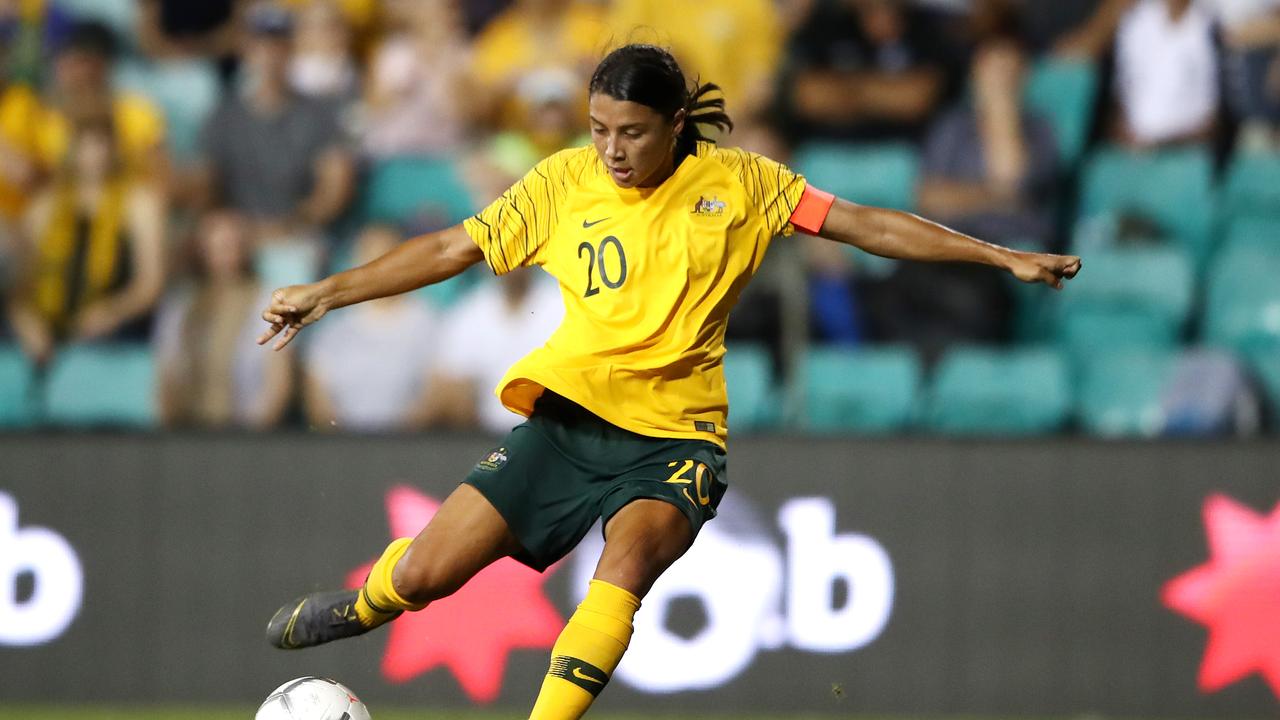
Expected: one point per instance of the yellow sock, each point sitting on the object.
(379, 601)
(585, 655)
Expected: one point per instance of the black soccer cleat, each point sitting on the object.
(316, 619)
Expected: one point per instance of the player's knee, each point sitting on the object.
(422, 581)
(642, 546)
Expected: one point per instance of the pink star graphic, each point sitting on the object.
(472, 631)
(1236, 595)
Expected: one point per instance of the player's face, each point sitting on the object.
(634, 141)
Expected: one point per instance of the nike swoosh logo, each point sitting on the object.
(577, 672)
(586, 224)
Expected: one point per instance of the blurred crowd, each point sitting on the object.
(164, 164)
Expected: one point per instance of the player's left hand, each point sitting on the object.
(1051, 270)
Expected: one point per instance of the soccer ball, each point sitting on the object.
(312, 698)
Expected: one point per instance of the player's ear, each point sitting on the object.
(677, 123)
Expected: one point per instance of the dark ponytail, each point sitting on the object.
(649, 75)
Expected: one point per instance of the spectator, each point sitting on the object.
(989, 166)
(274, 156)
(417, 90)
(35, 129)
(532, 36)
(323, 64)
(1251, 58)
(483, 336)
(862, 70)
(1166, 74)
(367, 367)
(989, 169)
(734, 43)
(97, 250)
(211, 372)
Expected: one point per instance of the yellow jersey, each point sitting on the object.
(648, 277)
(42, 134)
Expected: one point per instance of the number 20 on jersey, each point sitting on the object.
(597, 269)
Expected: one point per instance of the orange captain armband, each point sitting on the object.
(812, 209)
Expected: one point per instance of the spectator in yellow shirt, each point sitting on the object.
(533, 36)
(35, 129)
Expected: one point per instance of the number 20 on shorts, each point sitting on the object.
(701, 483)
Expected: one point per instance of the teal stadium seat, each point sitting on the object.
(1252, 233)
(1064, 92)
(1251, 187)
(286, 263)
(1242, 307)
(883, 175)
(1173, 188)
(979, 391)
(185, 90)
(1085, 331)
(102, 385)
(860, 390)
(1121, 392)
(1127, 295)
(748, 376)
(414, 190)
(15, 388)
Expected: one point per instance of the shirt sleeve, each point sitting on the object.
(513, 229)
(773, 188)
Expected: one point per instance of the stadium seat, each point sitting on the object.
(1173, 188)
(748, 376)
(1242, 307)
(102, 385)
(1128, 295)
(418, 190)
(1086, 331)
(1064, 92)
(286, 263)
(1251, 187)
(881, 175)
(1121, 393)
(1250, 233)
(15, 388)
(867, 391)
(977, 391)
(186, 92)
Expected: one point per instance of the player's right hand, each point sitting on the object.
(291, 309)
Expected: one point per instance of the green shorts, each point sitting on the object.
(558, 472)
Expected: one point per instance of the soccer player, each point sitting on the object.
(652, 233)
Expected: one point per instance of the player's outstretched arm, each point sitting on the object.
(903, 236)
(423, 260)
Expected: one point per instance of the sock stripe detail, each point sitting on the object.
(364, 593)
(579, 672)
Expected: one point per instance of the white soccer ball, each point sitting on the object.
(312, 698)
